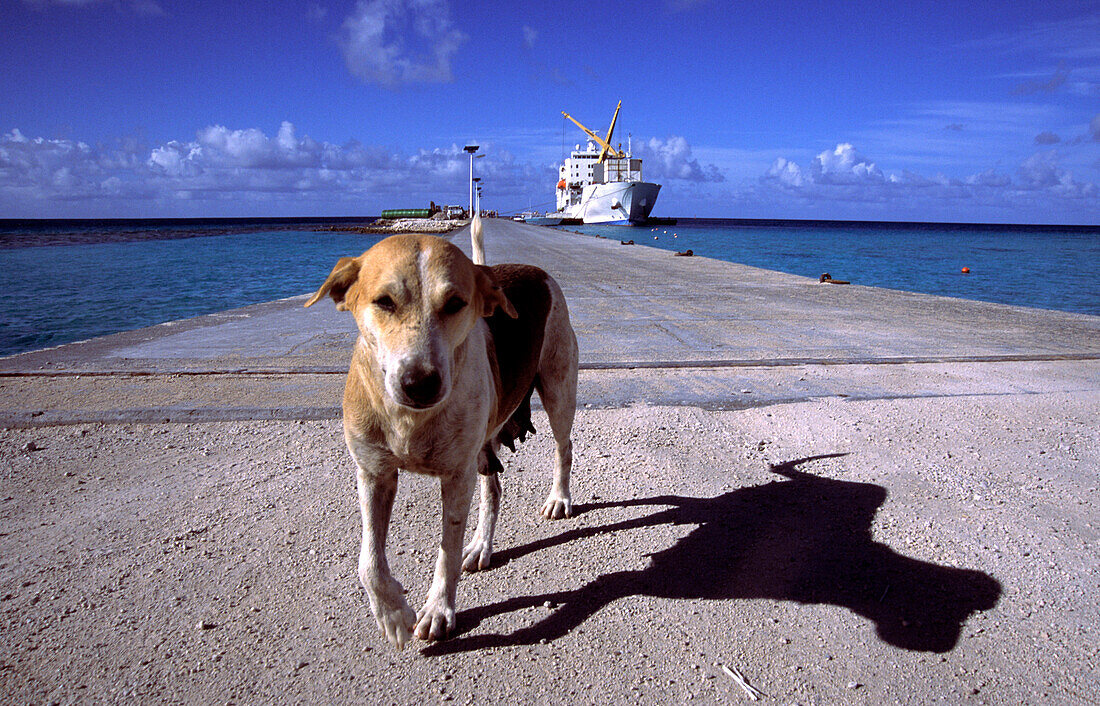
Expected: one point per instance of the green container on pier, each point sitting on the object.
(406, 213)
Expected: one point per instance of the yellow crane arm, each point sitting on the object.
(591, 134)
(599, 140)
(610, 132)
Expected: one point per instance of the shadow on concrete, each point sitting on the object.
(804, 539)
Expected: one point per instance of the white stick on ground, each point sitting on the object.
(751, 691)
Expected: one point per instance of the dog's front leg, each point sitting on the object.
(437, 618)
(377, 488)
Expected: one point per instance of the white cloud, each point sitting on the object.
(1071, 42)
(1070, 38)
(838, 167)
(64, 169)
(1042, 172)
(530, 36)
(843, 175)
(785, 172)
(960, 137)
(990, 178)
(672, 159)
(844, 165)
(176, 159)
(224, 168)
(229, 171)
(390, 42)
(1043, 84)
(221, 159)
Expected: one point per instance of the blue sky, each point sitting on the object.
(938, 111)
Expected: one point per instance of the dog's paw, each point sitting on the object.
(435, 620)
(392, 613)
(557, 507)
(477, 555)
(397, 624)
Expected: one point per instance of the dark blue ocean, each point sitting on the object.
(64, 281)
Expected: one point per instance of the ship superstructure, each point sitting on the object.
(603, 184)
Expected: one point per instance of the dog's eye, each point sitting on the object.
(454, 305)
(385, 303)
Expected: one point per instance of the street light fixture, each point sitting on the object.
(471, 149)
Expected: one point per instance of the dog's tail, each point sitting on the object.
(478, 240)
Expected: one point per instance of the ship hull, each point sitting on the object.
(616, 203)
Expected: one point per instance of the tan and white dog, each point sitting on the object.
(442, 373)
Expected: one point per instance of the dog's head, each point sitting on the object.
(415, 299)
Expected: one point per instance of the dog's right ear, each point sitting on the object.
(339, 281)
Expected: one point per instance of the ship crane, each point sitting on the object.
(605, 144)
(603, 184)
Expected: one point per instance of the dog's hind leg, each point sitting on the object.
(479, 552)
(437, 618)
(560, 406)
(557, 387)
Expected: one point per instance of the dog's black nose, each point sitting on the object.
(421, 387)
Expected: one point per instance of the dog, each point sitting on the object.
(447, 357)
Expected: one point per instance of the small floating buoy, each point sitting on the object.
(966, 270)
(656, 237)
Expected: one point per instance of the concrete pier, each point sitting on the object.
(652, 328)
(850, 494)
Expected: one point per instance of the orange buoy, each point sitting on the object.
(966, 270)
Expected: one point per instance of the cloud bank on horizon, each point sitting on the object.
(1028, 152)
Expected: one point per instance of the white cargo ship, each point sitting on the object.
(603, 184)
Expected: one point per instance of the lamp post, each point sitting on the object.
(471, 149)
(477, 195)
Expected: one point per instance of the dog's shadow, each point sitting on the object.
(804, 539)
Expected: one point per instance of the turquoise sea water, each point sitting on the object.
(68, 281)
(62, 293)
(1046, 268)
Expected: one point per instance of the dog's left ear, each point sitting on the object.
(492, 296)
(339, 281)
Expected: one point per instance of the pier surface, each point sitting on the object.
(849, 494)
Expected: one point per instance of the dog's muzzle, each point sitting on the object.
(421, 388)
